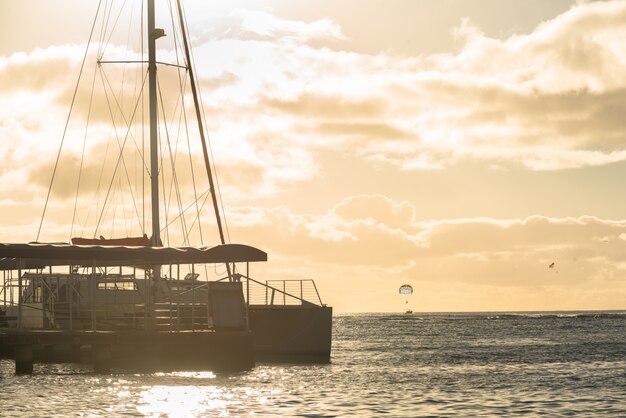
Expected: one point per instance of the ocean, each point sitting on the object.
(402, 365)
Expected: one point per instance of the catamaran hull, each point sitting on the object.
(291, 333)
(131, 350)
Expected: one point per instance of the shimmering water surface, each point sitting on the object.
(569, 364)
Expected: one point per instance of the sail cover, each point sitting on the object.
(27, 256)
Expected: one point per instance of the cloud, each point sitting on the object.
(327, 239)
(40, 70)
(324, 106)
(374, 242)
(257, 25)
(367, 130)
(545, 100)
(377, 208)
(269, 26)
(374, 230)
(279, 95)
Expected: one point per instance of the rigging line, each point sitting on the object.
(102, 30)
(175, 36)
(175, 158)
(217, 183)
(114, 25)
(143, 127)
(161, 170)
(197, 219)
(174, 172)
(132, 186)
(205, 150)
(183, 114)
(105, 25)
(67, 121)
(183, 132)
(120, 157)
(192, 65)
(125, 138)
(137, 92)
(82, 156)
(204, 194)
(128, 122)
(119, 201)
(130, 26)
(190, 70)
(166, 64)
(132, 9)
(120, 106)
(191, 166)
(97, 194)
(181, 98)
(165, 203)
(181, 84)
(192, 62)
(124, 214)
(114, 209)
(172, 160)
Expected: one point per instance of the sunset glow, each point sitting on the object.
(460, 150)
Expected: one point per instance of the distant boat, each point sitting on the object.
(406, 289)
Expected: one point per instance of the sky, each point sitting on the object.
(461, 147)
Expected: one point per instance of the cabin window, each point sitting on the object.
(113, 285)
(179, 287)
(33, 294)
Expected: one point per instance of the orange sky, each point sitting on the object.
(458, 146)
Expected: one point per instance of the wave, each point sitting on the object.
(550, 315)
(478, 316)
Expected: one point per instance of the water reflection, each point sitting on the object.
(184, 394)
(444, 365)
(184, 401)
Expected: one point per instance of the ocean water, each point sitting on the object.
(483, 364)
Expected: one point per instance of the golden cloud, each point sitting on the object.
(548, 99)
(326, 106)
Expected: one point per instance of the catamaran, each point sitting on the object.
(130, 300)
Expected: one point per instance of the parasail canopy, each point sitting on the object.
(406, 289)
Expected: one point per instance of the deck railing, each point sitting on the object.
(281, 292)
(55, 301)
(103, 301)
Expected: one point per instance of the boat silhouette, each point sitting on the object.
(131, 301)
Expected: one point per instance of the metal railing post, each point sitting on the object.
(70, 294)
(92, 295)
(19, 294)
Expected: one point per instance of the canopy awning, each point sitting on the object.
(29, 256)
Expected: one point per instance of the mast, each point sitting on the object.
(153, 35)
